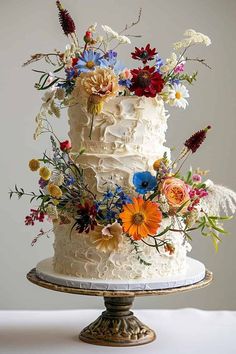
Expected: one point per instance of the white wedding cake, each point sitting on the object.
(120, 208)
(128, 136)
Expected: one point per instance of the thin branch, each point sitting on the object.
(201, 61)
(39, 56)
(133, 23)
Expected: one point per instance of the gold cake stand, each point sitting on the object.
(117, 326)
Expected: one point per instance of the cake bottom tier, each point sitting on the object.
(76, 254)
(195, 272)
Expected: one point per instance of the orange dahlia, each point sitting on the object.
(141, 218)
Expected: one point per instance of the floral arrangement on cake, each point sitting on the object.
(64, 197)
(93, 74)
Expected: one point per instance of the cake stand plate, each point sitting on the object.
(195, 272)
(117, 326)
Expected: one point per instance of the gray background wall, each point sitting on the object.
(30, 26)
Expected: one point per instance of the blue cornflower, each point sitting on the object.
(89, 61)
(110, 214)
(125, 198)
(159, 63)
(111, 57)
(70, 73)
(174, 81)
(110, 60)
(126, 83)
(107, 195)
(118, 189)
(97, 205)
(144, 182)
(70, 180)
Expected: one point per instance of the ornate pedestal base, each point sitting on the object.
(117, 326)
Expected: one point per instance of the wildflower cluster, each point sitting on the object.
(90, 68)
(89, 73)
(64, 198)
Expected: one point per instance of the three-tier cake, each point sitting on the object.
(120, 207)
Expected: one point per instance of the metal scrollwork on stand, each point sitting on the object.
(117, 326)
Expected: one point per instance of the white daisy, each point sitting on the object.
(177, 96)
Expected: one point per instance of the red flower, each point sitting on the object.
(146, 82)
(35, 215)
(65, 19)
(85, 219)
(74, 61)
(88, 36)
(65, 145)
(196, 140)
(144, 54)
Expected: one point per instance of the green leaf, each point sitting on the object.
(189, 175)
(58, 69)
(215, 227)
(221, 217)
(182, 206)
(47, 86)
(44, 81)
(215, 239)
(41, 78)
(164, 231)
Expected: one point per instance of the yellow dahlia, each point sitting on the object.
(54, 191)
(107, 238)
(45, 173)
(141, 218)
(34, 165)
(97, 86)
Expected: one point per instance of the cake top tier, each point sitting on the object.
(128, 124)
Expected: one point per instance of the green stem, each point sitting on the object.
(91, 127)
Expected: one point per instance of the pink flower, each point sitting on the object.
(126, 75)
(196, 178)
(201, 193)
(192, 193)
(65, 145)
(179, 68)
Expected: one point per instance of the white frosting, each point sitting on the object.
(76, 254)
(128, 136)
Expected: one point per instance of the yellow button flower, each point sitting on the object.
(45, 173)
(157, 164)
(54, 191)
(34, 164)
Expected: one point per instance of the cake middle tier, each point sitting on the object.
(104, 171)
(127, 136)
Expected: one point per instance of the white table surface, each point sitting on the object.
(178, 332)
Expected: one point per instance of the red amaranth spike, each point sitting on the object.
(65, 20)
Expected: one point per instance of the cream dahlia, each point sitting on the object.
(107, 238)
(97, 86)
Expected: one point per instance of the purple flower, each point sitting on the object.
(42, 183)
